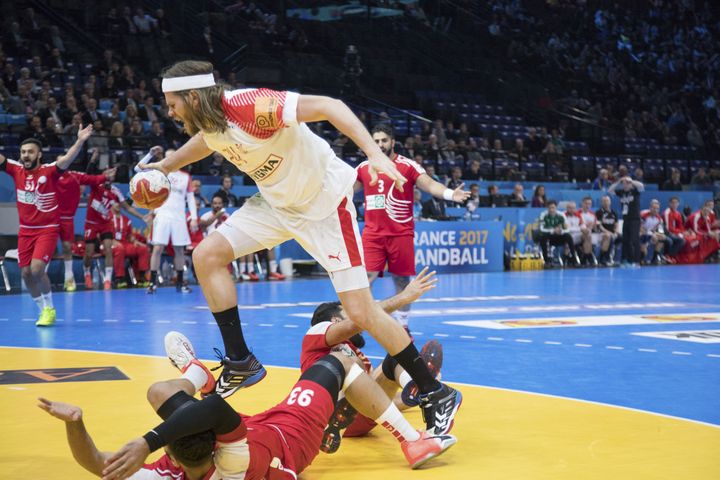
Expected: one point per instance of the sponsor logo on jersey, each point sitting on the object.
(375, 202)
(266, 113)
(266, 169)
(26, 197)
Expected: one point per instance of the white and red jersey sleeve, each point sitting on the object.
(68, 189)
(261, 112)
(37, 197)
(388, 211)
(162, 469)
(314, 345)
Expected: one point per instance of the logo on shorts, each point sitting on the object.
(336, 257)
(267, 168)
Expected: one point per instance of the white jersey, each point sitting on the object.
(174, 206)
(296, 171)
(589, 220)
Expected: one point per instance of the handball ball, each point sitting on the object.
(149, 188)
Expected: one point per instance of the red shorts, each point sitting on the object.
(38, 244)
(96, 231)
(397, 252)
(301, 418)
(67, 229)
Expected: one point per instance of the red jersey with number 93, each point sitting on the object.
(388, 211)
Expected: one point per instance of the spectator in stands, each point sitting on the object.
(623, 171)
(430, 170)
(673, 183)
(34, 129)
(674, 227)
(534, 143)
(117, 136)
(701, 178)
(417, 204)
(473, 171)
(601, 182)
(229, 198)
(519, 152)
(91, 115)
(609, 228)
(517, 197)
(473, 201)
(538, 199)
(56, 62)
(434, 209)
(494, 199)
(135, 136)
(52, 111)
(51, 134)
(197, 191)
(156, 136)
(69, 111)
(652, 230)
(629, 195)
(554, 231)
(455, 179)
(131, 114)
(639, 175)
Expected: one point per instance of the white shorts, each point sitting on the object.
(334, 241)
(168, 231)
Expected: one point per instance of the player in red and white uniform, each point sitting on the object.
(389, 225)
(590, 225)
(577, 230)
(127, 245)
(278, 443)
(69, 198)
(707, 228)
(305, 194)
(98, 223)
(169, 227)
(674, 227)
(39, 213)
(652, 230)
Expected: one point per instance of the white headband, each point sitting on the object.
(177, 84)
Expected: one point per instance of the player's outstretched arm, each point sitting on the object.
(193, 151)
(312, 108)
(81, 443)
(438, 190)
(63, 161)
(421, 284)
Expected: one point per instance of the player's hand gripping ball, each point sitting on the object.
(149, 188)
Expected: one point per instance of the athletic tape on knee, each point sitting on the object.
(388, 367)
(352, 375)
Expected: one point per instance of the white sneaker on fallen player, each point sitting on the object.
(181, 354)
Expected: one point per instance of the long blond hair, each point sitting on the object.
(208, 116)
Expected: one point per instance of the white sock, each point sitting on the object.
(273, 266)
(196, 375)
(404, 379)
(401, 317)
(39, 302)
(396, 424)
(69, 270)
(108, 273)
(47, 299)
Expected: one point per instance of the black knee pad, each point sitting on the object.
(388, 367)
(176, 402)
(329, 373)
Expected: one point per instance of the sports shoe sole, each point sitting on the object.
(430, 456)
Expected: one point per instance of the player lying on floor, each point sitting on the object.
(332, 330)
(208, 439)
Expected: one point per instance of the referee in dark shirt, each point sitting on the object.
(628, 192)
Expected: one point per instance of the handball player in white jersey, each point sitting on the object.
(170, 227)
(305, 194)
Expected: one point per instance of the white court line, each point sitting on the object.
(243, 324)
(4, 319)
(552, 343)
(111, 320)
(612, 347)
(523, 340)
(84, 320)
(443, 335)
(291, 326)
(713, 355)
(649, 350)
(137, 321)
(373, 357)
(265, 324)
(496, 339)
(470, 337)
(162, 321)
(681, 353)
(189, 322)
(416, 333)
(583, 345)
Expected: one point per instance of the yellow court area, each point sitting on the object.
(502, 434)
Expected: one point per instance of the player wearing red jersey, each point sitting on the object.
(37, 204)
(98, 223)
(389, 225)
(276, 444)
(69, 199)
(126, 244)
(305, 194)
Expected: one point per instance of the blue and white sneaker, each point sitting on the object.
(237, 374)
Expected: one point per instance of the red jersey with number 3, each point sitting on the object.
(388, 211)
(69, 191)
(37, 199)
